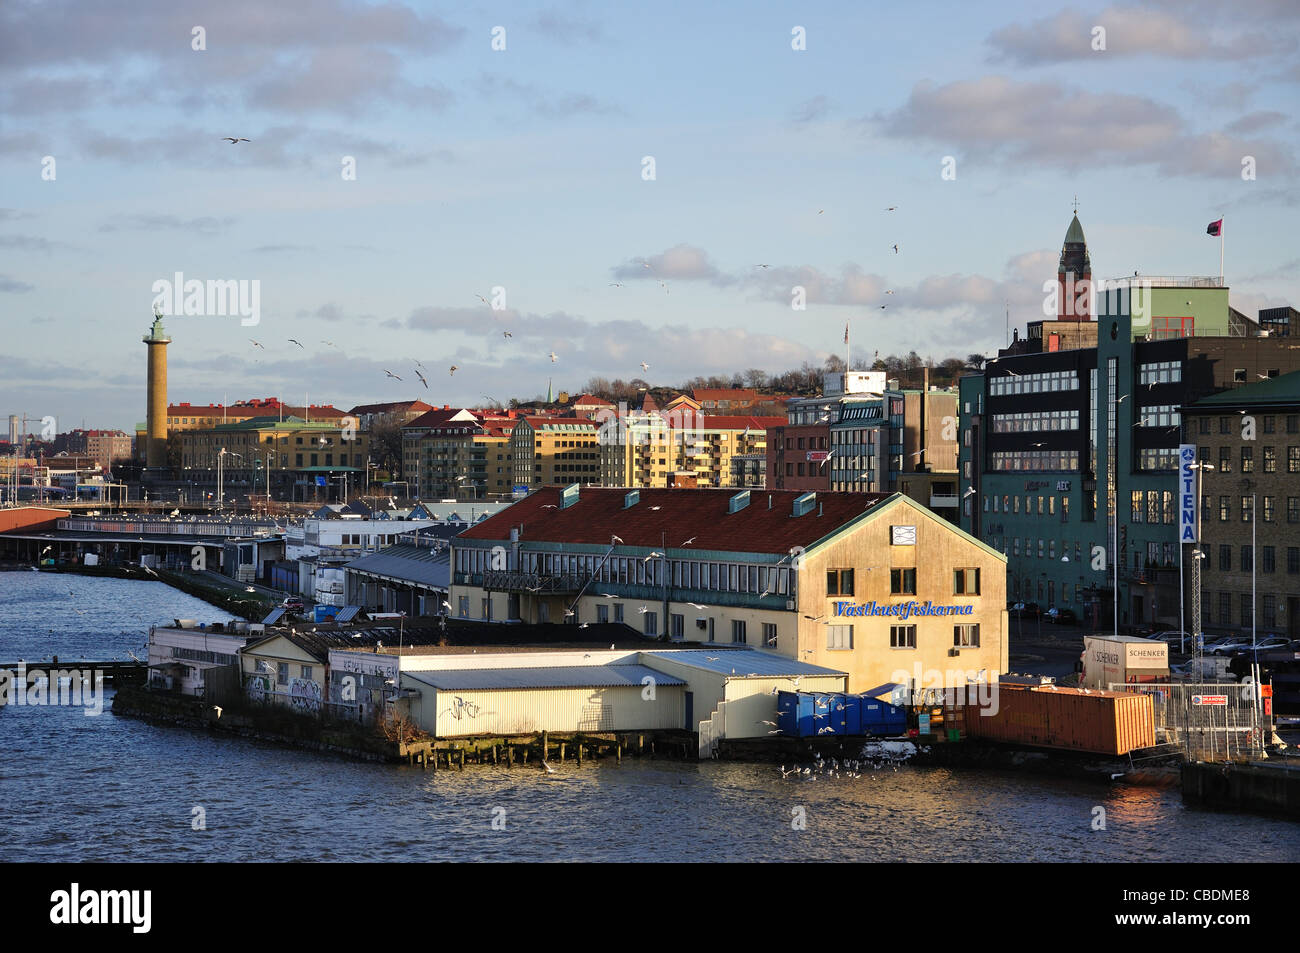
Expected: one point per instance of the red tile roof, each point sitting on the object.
(392, 407)
(732, 394)
(438, 417)
(680, 515)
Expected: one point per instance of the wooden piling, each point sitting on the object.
(619, 752)
(579, 755)
(546, 746)
(561, 751)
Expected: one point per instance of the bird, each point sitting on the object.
(447, 604)
(895, 248)
(616, 539)
(549, 506)
(553, 357)
(696, 605)
(232, 140)
(645, 366)
(616, 284)
(420, 366)
(663, 284)
(810, 618)
(820, 210)
(549, 769)
(771, 723)
(882, 307)
(760, 266)
(249, 589)
(175, 512)
(481, 298)
(452, 370)
(391, 374)
(688, 541)
(506, 334)
(297, 342)
(329, 343)
(888, 293)
(257, 344)
(643, 610)
(892, 208)
(217, 709)
(712, 658)
(422, 380)
(650, 557)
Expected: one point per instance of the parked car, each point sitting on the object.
(1210, 641)
(293, 605)
(1024, 610)
(1270, 643)
(1061, 616)
(1229, 645)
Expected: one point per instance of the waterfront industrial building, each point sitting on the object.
(865, 584)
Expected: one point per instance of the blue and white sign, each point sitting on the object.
(1186, 493)
(320, 481)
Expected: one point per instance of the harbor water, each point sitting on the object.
(78, 788)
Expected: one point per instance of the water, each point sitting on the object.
(106, 788)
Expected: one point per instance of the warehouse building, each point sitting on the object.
(861, 584)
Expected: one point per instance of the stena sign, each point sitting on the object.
(1186, 493)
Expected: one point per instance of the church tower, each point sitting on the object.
(1074, 276)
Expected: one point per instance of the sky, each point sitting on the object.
(614, 180)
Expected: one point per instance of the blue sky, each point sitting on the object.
(521, 169)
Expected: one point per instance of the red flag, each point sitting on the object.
(1214, 228)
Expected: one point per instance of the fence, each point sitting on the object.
(1209, 722)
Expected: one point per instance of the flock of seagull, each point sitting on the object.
(834, 769)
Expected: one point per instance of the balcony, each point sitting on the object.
(943, 501)
(537, 583)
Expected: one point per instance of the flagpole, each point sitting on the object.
(1220, 248)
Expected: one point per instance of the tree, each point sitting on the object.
(975, 361)
(386, 441)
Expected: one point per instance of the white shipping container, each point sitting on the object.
(1115, 660)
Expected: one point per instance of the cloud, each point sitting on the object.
(205, 226)
(347, 80)
(567, 30)
(997, 119)
(1253, 122)
(13, 286)
(1130, 31)
(811, 109)
(551, 105)
(680, 263)
(31, 243)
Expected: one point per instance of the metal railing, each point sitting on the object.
(1216, 721)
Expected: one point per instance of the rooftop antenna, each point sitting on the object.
(1008, 306)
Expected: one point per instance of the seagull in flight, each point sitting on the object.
(663, 284)
(329, 344)
(452, 370)
(616, 539)
(892, 208)
(697, 605)
(391, 374)
(422, 380)
(888, 293)
(760, 266)
(257, 344)
(554, 358)
(616, 284)
(549, 769)
(895, 248)
(645, 366)
(712, 658)
(297, 342)
(650, 557)
(481, 298)
(688, 541)
(506, 334)
(232, 140)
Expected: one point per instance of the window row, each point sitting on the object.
(1033, 383)
(1036, 421)
(1035, 461)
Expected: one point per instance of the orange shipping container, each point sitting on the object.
(1099, 722)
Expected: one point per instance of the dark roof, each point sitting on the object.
(669, 517)
(419, 564)
(558, 676)
(1280, 391)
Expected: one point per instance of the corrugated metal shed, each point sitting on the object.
(745, 663)
(568, 676)
(274, 616)
(417, 564)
